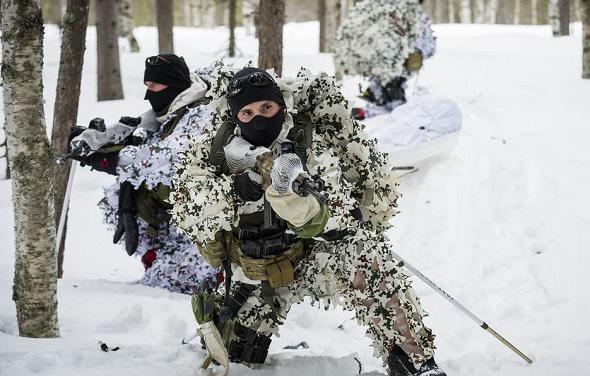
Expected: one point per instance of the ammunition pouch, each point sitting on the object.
(248, 346)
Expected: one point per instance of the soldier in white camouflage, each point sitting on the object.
(287, 192)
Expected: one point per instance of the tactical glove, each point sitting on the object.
(100, 161)
(248, 187)
(127, 223)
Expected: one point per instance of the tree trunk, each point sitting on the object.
(465, 11)
(534, 12)
(516, 18)
(586, 43)
(35, 272)
(126, 23)
(564, 17)
(554, 16)
(107, 47)
(322, 20)
(73, 44)
(270, 42)
(331, 22)
(479, 11)
(165, 21)
(491, 11)
(232, 27)
(451, 11)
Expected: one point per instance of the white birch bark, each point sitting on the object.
(534, 12)
(491, 11)
(479, 11)
(516, 19)
(126, 24)
(35, 272)
(466, 11)
(554, 16)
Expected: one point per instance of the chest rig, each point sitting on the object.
(260, 243)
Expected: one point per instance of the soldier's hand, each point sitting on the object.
(248, 186)
(130, 120)
(285, 171)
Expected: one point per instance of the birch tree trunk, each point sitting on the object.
(491, 11)
(73, 44)
(516, 19)
(270, 32)
(107, 47)
(35, 276)
(126, 23)
(585, 5)
(554, 16)
(232, 28)
(165, 21)
(451, 11)
(479, 11)
(466, 11)
(534, 12)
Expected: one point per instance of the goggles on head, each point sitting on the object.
(256, 79)
(157, 60)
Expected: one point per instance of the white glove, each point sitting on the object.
(241, 155)
(285, 170)
(215, 348)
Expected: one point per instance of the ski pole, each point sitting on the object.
(482, 324)
(66, 204)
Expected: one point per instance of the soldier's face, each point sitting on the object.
(263, 108)
(155, 86)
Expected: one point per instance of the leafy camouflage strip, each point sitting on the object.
(204, 202)
(393, 318)
(377, 37)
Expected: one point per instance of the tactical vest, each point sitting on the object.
(265, 254)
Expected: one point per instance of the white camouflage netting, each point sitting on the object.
(377, 37)
(178, 266)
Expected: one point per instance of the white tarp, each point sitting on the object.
(425, 127)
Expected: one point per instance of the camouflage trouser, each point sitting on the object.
(360, 274)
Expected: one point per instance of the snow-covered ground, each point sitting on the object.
(503, 223)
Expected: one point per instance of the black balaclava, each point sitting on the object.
(169, 70)
(260, 130)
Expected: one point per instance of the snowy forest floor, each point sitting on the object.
(503, 223)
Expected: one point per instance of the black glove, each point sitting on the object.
(246, 188)
(127, 223)
(130, 121)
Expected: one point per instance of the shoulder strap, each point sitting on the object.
(217, 155)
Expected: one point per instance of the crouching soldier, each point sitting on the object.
(141, 153)
(287, 193)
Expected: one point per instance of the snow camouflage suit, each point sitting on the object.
(377, 38)
(356, 272)
(150, 168)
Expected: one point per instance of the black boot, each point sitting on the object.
(400, 365)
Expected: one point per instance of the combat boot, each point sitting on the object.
(400, 365)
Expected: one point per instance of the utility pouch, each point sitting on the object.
(213, 250)
(278, 270)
